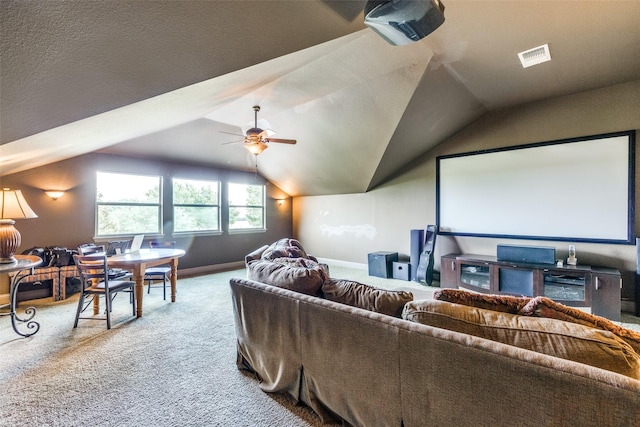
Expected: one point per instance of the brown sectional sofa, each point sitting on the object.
(363, 356)
(369, 369)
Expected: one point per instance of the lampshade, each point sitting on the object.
(256, 147)
(12, 206)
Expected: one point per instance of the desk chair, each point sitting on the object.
(114, 273)
(96, 282)
(161, 271)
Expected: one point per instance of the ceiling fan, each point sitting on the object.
(256, 140)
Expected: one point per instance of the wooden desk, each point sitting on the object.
(138, 262)
(22, 267)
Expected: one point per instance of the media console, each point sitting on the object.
(597, 288)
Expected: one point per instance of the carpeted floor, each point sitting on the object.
(175, 366)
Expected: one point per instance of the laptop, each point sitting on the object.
(117, 247)
(136, 244)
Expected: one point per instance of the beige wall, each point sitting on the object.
(348, 227)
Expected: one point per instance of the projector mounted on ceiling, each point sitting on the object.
(402, 22)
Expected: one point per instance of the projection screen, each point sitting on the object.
(579, 189)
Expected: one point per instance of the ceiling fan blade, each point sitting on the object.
(232, 142)
(281, 141)
(230, 133)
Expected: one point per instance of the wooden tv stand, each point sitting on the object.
(596, 288)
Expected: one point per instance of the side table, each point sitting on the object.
(23, 267)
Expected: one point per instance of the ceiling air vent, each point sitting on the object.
(535, 56)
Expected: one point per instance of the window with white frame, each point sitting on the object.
(196, 206)
(246, 207)
(128, 204)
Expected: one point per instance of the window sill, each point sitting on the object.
(196, 233)
(247, 230)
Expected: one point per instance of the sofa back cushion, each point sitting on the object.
(545, 307)
(537, 307)
(367, 297)
(298, 275)
(566, 340)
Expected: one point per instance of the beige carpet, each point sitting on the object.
(175, 366)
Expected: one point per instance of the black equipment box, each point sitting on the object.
(381, 263)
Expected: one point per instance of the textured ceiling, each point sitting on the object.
(161, 80)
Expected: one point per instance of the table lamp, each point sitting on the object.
(12, 206)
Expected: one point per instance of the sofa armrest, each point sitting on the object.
(256, 254)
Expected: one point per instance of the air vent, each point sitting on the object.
(535, 56)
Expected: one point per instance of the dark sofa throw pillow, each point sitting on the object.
(296, 278)
(367, 297)
(284, 248)
(566, 340)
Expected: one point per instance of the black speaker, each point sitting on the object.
(381, 264)
(417, 244)
(529, 254)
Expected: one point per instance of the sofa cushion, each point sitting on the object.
(367, 297)
(295, 277)
(545, 307)
(504, 303)
(537, 307)
(305, 263)
(566, 340)
(255, 254)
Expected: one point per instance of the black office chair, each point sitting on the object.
(159, 272)
(96, 283)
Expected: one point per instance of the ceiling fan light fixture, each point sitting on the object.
(255, 148)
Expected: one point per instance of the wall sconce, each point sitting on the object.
(54, 194)
(280, 202)
(12, 206)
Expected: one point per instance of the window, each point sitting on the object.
(128, 204)
(195, 205)
(246, 207)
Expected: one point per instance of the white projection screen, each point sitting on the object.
(579, 189)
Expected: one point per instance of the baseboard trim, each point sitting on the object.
(207, 269)
(346, 264)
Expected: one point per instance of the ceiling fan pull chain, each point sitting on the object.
(255, 176)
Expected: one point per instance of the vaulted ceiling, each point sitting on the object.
(165, 79)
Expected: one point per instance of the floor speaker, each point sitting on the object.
(417, 245)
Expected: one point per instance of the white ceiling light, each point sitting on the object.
(535, 56)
